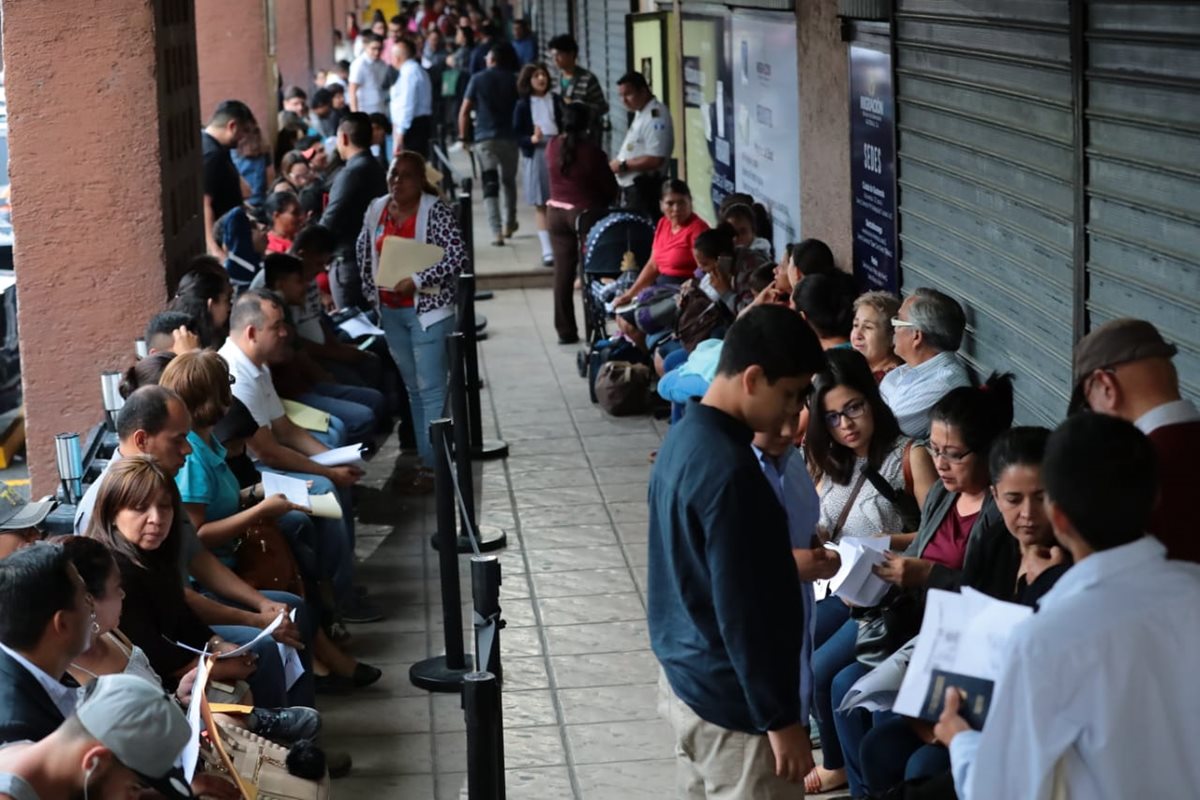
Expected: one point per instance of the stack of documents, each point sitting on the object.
(856, 582)
(296, 491)
(963, 643)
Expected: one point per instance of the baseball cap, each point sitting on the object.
(16, 514)
(1113, 343)
(142, 726)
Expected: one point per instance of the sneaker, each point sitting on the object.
(510, 230)
(284, 725)
(360, 611)
(498, 241)
(547, 261)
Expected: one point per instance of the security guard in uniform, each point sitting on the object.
(641, 164)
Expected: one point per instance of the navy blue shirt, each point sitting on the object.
(493, 93)
(724, 605)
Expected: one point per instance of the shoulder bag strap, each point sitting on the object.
(836, 533)
(906, 463)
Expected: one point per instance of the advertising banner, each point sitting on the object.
(873, 168)
(766, 95)
(708, 112)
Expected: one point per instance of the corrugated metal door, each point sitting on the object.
(1143, 158)
(618, 64)
(986, 175)
(554, 18)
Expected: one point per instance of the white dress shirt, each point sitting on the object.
(911, 392)
(650, 134)
(1099, 685)
(411, 95)
(1174, 413)
(252, 385)
(63, 697)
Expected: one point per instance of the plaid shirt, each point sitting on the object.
(583, 87)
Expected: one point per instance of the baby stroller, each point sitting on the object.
(605, 237)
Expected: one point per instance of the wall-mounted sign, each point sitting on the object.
(873, 168)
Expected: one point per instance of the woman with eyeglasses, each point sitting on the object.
(959, 517)
(869, 474)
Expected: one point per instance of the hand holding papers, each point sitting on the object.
(963, 641)
(295, 490)
(402, 258)
(855, 582)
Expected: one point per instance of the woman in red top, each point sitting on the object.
(283, 211)
(671, 259)
(580, 180)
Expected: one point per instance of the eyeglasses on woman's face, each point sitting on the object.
(852, 410)
(953, 456)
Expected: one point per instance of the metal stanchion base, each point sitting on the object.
(490, 450)
(433, 675)
(480, 325)
(486, 294)
(491, 538)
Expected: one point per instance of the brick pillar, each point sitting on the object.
(104, 158)
(324, 22)
(293, 55)
(232, 50)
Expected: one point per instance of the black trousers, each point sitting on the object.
(417, 137)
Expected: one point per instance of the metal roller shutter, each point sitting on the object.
(1143, 159)
(618, 58)
(986, 176)
(554, 18)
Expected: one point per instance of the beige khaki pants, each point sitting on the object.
(713, 763)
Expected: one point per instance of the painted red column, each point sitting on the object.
(105, 161)
(232, 41)
(324, 22)
(293, 56)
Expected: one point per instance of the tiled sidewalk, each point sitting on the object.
(579, 695)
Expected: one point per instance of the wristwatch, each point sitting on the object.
(622, 166)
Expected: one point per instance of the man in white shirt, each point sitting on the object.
(1097, 697)
(368, 74)
(927, 332)
(46, 620)
(411, 101)
(641, 164)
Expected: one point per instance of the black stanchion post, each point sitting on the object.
(489, 536)
(480, 449)
(445, 673)
(485, 737)
(466, 218)
(485, 593)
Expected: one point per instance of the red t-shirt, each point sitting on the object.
(277, 244)
(673, 251)
(948, 546)
(405, 230)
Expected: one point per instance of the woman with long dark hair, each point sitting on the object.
(580, 180)
(206, 294)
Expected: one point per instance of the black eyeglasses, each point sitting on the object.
(852, 410)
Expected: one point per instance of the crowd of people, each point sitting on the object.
(805, 414)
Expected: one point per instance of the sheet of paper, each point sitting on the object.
(359, 325)
(963, 641)
(402, 258)
(325, 506)
(307, 417)
(855, 581)
(265, 633)
(292, 668)
(191, 751)
(348, 454)
(294, 489)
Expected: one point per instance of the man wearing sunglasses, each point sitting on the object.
(927, 332)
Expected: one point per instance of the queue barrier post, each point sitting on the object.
(485, 736)
(481, 449)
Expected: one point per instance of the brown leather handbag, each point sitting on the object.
(265, 560)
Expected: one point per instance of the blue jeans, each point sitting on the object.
(420, 354)
(334, 437)
(358, 407)
(852, 726)
(830, 658)
(892, 753)
(268, 682)
(322, 552)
